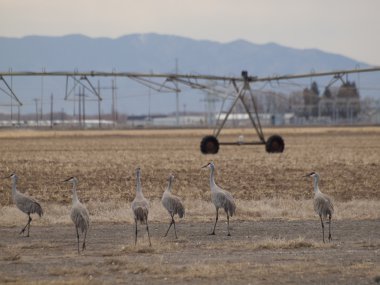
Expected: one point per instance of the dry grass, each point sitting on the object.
(266, 186)
(73, 281)
(231, 272)
(232, 245)
(197, 211)
(272, 243)
(175, 132)
(104, 164)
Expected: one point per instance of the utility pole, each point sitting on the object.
(113, 102)
(11, 98)
(99, 115)
(80, 108)
(51, 110)
(116, 109)
(149, 118)
(74, 114)
(84, 108)
(18, 115)
(176, 93)
(36, 101)
(42, 94)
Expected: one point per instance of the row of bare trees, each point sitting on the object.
(341, 102)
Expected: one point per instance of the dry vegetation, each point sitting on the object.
(266, 186)
(348, 160)
(275, 229)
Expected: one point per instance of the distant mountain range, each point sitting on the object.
(152, 53)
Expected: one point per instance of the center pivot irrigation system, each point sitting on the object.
(169, 83)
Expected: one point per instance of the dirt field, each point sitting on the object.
(263, 252)
(276, 237)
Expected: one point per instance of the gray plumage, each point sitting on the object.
(172, 204)
(323, 205)
(79, 214)
(140, 206)
(221, 199)
(25, 203)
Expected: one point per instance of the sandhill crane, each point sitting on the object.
(140, 206)
(79, 214)
(25, 203)
(323, 205)
(221, 199)
(172, 204)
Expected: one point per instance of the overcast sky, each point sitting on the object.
(347, 27)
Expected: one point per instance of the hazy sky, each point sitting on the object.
(347, 27)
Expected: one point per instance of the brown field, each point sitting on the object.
(276, 237)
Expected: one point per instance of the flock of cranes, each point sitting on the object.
(323, 205)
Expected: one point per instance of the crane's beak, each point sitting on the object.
(7, 176)
(309, 175)
(67, 180)
(204, 166)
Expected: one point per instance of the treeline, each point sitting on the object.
(341, 102)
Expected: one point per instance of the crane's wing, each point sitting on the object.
(80, 217)
(323, 205)
(28, 204)
(173, 205)
(140, 203)
(226, 201)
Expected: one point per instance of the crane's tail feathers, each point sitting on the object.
(83, 228)
(36, 209)
(141, 214)
(82, 223)
(230, 208)
(181, 212)
(327, 213)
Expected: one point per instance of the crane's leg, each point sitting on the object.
(175, 231)
(323, 229)
(27, 224)
(330, 238)
(76, 228)
(169, 227)
(135, 231)
(216, 220)
(30, 220)
(228, 225)
(147, 229)
(84, 240)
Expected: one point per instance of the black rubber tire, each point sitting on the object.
(275, 144)
(209, 145)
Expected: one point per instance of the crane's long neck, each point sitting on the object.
(75, 196)
(14, 189)
(316, 180)
(212, 180)
(138, 184)
(169, 189)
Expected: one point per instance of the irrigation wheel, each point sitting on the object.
(275, 144)
(209, 145)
